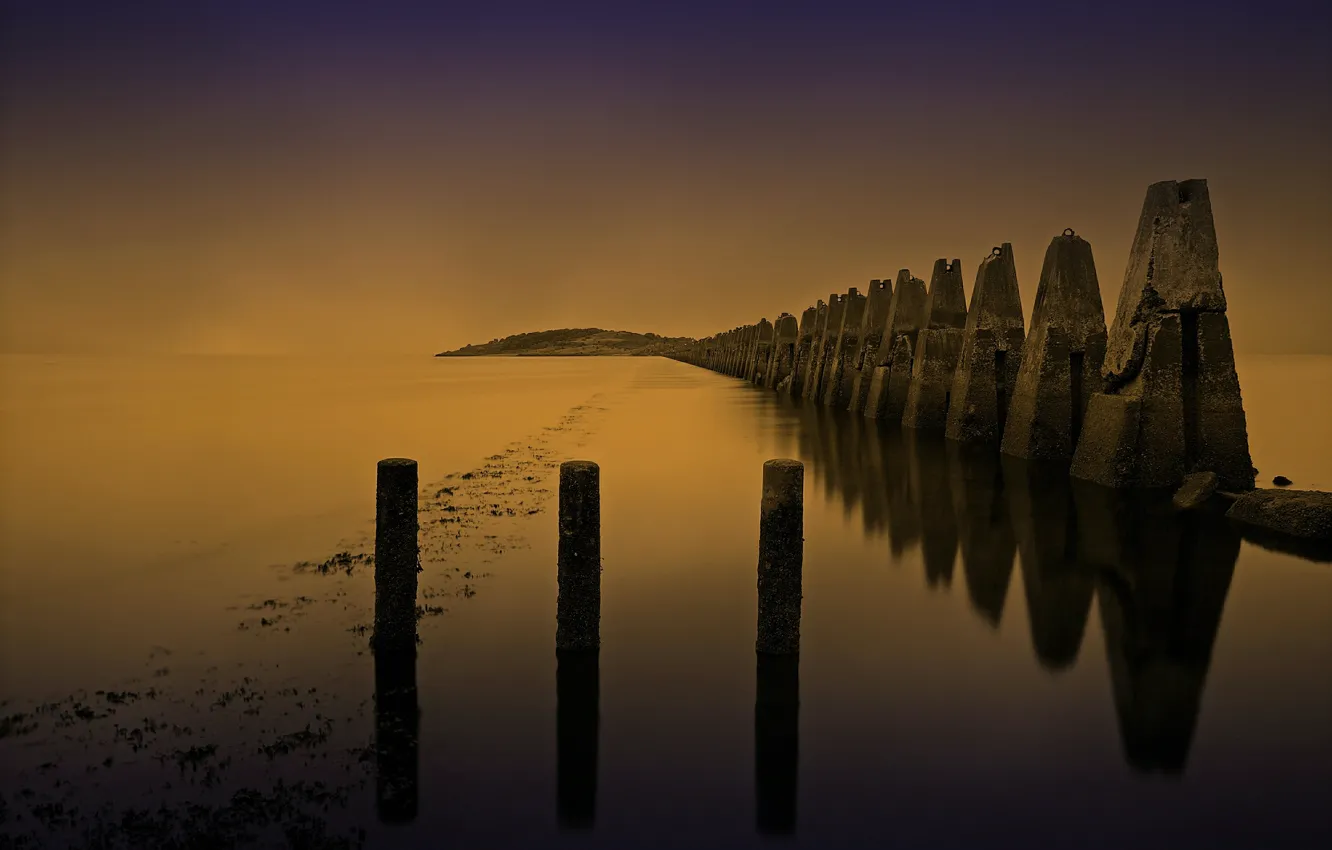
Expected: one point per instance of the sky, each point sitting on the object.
(233, 176)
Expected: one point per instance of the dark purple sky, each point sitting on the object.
(242, 176)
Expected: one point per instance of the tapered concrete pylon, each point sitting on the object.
(806, 347)
(1061, 357)
(785, 333)
(938, 347)
(744, 350)
(1170, 400)
(906, 316)
(746, 353)
(826, 342)
(872, 327)
(1057, 584)
(838, 375)
(759, 352)
(991, 353)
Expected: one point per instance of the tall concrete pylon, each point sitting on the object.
(872, 328)
(825, 343)
(785, 334)
(938, 348)
(760, 351)
(991, 353)
(1170, 400)
(1061, 358)
(792, 383)
(837, 377)
(806, 348)
(906, 316)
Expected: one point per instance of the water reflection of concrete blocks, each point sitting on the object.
(1162, 583)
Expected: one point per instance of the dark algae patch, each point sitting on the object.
(173, 769)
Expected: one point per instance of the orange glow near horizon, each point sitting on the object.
(243, 185)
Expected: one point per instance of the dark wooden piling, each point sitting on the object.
(781, 555)
(578, 610)
(396, 714)
(776, 742)
(396, 556)
(577, 687)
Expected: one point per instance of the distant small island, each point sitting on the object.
(572, 342)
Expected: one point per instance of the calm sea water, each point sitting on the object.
(990, 656)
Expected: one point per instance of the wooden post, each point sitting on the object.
(578, 610)
(781, 555)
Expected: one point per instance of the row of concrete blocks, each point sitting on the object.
(578, 640)
(1152, 400)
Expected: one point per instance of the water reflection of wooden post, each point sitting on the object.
(396, 716)
(397, 725)
(776, 741)
(577, 641)
(577, 683)
(777, 700)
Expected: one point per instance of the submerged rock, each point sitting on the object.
(1282, 481)
(1299, 513)
(1197, 489)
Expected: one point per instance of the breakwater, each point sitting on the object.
(1141, 403)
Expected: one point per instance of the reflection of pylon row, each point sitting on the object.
(1159, 579)
(1141, 406)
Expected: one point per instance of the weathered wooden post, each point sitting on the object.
(394, 642)
(577, 643)
(578, 609)
(396, 556)
(781, 554)
(777, 677)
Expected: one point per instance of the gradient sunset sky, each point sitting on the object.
(247, 176)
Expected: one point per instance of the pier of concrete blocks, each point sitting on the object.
(1139, 404)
